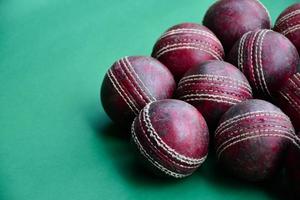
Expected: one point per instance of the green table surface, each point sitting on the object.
(56, 142)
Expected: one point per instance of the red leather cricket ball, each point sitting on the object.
(252, 138)
(267, 58)
(288, 24)
(293, 168)
(186, 45)
(133, 82)
(213, 87)
(172, 136)
(288, 99)
(230, 19)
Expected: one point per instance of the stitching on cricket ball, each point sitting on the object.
(291, 101)
(287, 17)
(213, 78)
(152, 133)
(151, 160)
(231, 140)
(122, 92)
(251, 59)
(142, 86)
(179, 46)
(214, 91)
(123, 65)
(291, 29)
(249, 115)
(182, 86)
(259, 63)
(231, 133)
(252, 137)
(297, 77)
(163, 45)
(156, 149)
(209, 97)
(241, 51)
(190, 31)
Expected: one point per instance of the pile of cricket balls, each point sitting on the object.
(235, 105)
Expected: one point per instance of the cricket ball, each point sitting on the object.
(133, 82)
(267, 58)
(172, 136)
(230, 19)
(252, 138)
(288, 99)
(213, 87)
(186, 45)
(288, 24)
(293, 168)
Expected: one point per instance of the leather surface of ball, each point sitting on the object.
(252, 138)
(172, 136)
(213, 87)
(288, 24)
(288, 99)
(133, 82)
(267, 58)
(293, 168)
(186, 45)
(230, 19)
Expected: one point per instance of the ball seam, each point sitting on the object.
(117, 86)
(151, 160)
(152, 133)
(142, 86)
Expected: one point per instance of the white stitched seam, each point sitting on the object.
(248, 115)
(291, 101)
(208, 77)
(193, 97)
(252, 137)
(121, 92)
(219, 133)
(189, 42)
(129, 81)
(142, 87)
(161, 143)
(259, 64)
(287, 17)
(214, 91)
(297, 77)
(151, 160)
(214, 77)
(190, 31)
(241, 52)
(263, 129)
(213, 84)
(180, 46)
(187, 166)
(291, 29)
(251, 59)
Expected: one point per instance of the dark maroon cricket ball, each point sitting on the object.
(133, 82)
(267, 58)
(172, 136)
(251, 139)
(213, 87)
(288, 24)
(293, 168)
(288, 99)
(186, 45)
(230, 19)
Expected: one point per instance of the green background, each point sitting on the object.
(56, 142)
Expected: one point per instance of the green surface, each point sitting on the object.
(56, 142)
